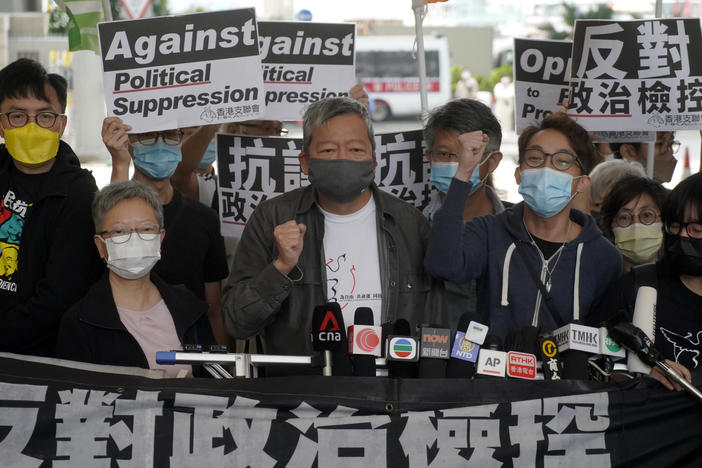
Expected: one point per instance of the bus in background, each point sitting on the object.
(390, 74)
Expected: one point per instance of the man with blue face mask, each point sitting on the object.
(441, 133)
(539, 263)
(193, 249)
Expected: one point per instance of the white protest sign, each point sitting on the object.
(179, 71)
(541, 72)
(304, 62)
(253, 169)
(637, 75)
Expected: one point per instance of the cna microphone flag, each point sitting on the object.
(83, 17)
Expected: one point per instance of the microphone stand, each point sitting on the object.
(673, 374)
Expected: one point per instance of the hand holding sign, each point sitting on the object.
(115, 138)
(289, 242)
(471, 148)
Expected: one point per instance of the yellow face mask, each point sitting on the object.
(31, 145)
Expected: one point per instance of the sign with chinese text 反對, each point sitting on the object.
(541, 74)
(253, 169)
(177, 71)
(304, 62)
(637, 75)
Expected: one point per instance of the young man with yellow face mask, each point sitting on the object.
(45, 219)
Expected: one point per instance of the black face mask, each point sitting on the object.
(685, 255)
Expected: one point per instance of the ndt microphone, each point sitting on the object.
(402, 351)
(434, 351)
(364, 342)
(645, 319)
(466, 346)
(551, 364)
(491, 359)
(576, 343)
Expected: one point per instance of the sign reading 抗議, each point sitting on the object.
(178, 71)
(304, 62)
(637, 75)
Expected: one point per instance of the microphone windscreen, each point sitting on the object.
(401, 327)
(328, 331)
(458, 368)
(363, 316)
(493, 342)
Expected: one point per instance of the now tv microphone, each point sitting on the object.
(434, 351)
(491, 359)
(327, 332)
(576, 343)
(364, 342)
(402, 351)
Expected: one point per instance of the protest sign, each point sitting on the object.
(304, 62)
(253, 169)
(637, 75)
(541, 73)
(179, 71)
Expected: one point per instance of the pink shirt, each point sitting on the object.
(154, 330)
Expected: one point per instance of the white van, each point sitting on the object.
(385, 66)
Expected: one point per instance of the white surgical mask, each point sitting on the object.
(134, 258)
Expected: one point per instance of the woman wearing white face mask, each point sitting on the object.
(130, 313)
(539, 263)
(631, 216)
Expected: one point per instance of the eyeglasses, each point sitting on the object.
(171, 137)
(264, 129)
(647, 217)
(44, 119)
(673, 145)
(693, 228)
(122, 234)
(561, 160)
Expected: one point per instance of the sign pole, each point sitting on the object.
(418, 8)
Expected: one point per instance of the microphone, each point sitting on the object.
(521, 357)
(464, 352)
(551, 364)
(326, 333)
(364, 342)
(645, 319)
(401, 351)
(491, 360)
(576, 342)
(434, 352)
(636, 340)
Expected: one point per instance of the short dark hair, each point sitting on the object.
(623, 191)
(464, 115)
(577, 136)
(25, 77)
(688, 193)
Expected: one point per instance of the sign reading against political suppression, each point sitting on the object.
(179, 71)
(637, 75)
(541, 73)
(253, 169)
(304, 62)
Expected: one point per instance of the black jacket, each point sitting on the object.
(58, 260)
(91, 331)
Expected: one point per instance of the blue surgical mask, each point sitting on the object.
(210, 155)
(442, 173)
(545, 190)
(158, 161)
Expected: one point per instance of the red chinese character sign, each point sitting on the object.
(637, 75)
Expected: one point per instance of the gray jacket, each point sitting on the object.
(258, 297)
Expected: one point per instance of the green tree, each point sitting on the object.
(572, 13)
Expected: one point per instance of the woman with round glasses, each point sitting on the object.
(541, 262)
(677, 278)
(631, 216)
(130, 313)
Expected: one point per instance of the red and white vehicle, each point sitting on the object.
(387, 69)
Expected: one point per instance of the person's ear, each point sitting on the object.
(304, 162)
(101, 247)
(517, 175)
(582, 185)
(629, 153)
(427, 155)
(493, 161)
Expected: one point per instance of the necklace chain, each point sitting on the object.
(558, 258)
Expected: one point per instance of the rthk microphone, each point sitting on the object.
(364, 342)
(434, 352)
(327, 331)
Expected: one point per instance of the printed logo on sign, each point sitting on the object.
(549, 348)
(611, 344)
(402, 348)
(329, 319)
(367, 340)
(464, 349)
(435, 343)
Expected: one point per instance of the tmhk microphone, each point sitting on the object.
(364, 342)
(576, 343)
(327, 332)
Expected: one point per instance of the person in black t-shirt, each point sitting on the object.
(193, 249)
(677, 277)
(46, 260)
